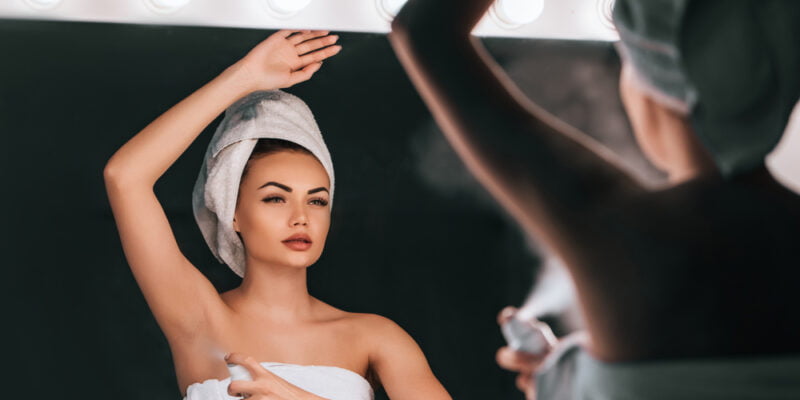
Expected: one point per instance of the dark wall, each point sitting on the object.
(413, 238)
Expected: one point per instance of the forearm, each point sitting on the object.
(543, 171)
(441, 17)
(146, 156)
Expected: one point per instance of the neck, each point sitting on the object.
(273, 291)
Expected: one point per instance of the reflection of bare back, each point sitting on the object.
(706, 267)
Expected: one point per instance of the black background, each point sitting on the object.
(413, 237)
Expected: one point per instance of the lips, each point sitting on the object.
(298, 242)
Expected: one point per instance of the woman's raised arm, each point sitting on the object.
(177, 293)
(545, 173)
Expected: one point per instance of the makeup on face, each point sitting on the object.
(298, 242)
(320, 201)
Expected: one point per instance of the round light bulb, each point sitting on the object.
(165, 6)
(43, 4)
(512, 14)
(286, 8)
(605, 9)
(388, 9)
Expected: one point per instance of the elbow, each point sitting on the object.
(115, 175)
(400, 32)
(419, 23)
(421, 41)
(412, 28)
(399, 24)
(112, 173)
(118, 176)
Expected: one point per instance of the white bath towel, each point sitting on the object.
(332, 383)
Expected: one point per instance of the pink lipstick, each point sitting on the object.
(298, 242)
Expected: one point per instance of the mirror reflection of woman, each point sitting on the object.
(689, 290)
(293, 345)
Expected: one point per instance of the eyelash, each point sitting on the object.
(319, 201)
(277, 199)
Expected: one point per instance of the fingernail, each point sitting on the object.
(227, 356)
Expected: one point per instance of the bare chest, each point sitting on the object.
(331, 343)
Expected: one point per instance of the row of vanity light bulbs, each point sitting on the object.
(506, 13)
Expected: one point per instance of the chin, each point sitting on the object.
(300, 260)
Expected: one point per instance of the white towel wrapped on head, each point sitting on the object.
(259, 115)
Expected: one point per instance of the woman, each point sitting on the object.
(292, 344)
(688, 291)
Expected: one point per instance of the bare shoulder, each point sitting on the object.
(383, 337)
(397, 360)
(359, 320)
(374, 324)
(371, 330)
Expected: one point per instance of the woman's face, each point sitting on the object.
(282, 212)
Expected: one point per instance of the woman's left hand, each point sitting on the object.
(265, 385)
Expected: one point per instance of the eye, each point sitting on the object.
(318, 202)
(273, 199)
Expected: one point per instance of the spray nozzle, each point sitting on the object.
(239, 373)
(528, 335)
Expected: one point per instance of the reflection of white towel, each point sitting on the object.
(332, 383)
(265, 114)
(571, 372)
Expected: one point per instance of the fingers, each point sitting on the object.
(304, 74)
(319, 55)
(285, 33)
(245, 389)
(517, 361)
(525, 364)
(506, 314)
(253, 367)
(316, 44)
(298, 37)
(526, 384)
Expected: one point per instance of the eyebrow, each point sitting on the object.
(288, 189)
(276, 184)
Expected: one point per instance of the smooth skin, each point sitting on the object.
(271, 316)
(705, 267)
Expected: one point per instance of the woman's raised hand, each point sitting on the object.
(286, 58)
(264, 384)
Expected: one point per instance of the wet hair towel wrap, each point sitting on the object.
(259, 115)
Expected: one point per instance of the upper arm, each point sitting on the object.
(400, 363)
(178, 294)
(541, 170)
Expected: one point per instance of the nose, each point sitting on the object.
(299, 217)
